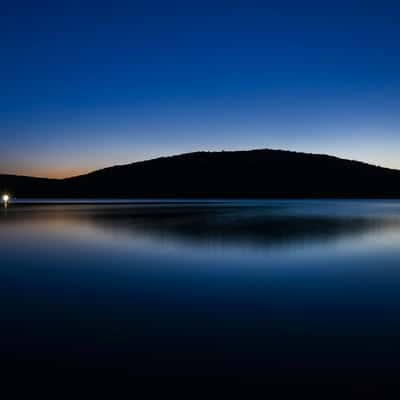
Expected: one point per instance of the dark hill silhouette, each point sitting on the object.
(230, 174)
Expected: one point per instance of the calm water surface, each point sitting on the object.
(200, 285)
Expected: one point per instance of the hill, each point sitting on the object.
(230, 174)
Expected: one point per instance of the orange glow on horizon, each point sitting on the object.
(52, 173)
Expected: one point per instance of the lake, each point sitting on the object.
(200, 287)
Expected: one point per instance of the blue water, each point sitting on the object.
(200, 286)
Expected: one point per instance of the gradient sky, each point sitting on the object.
(89, 84)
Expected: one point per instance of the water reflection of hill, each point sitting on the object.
(261, 226)
(231, 228)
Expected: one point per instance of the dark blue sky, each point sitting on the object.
(90, 84)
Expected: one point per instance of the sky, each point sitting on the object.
(90, 84)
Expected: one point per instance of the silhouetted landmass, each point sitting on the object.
(230, 174)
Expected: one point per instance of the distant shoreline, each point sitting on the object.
(182, 201)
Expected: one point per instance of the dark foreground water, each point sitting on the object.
(213, 288)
